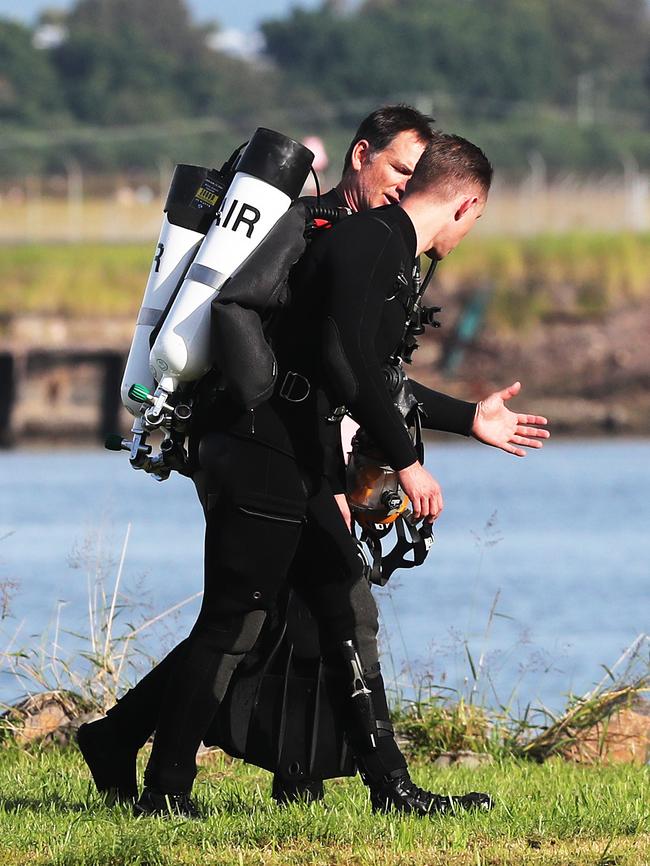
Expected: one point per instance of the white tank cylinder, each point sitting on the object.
(175, 250)
(181, 352)
(270, 174)
(189, 210)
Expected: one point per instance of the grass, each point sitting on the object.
(531, 279)
(553, 813)
(75, 279)
(103, 656)
(575, 275)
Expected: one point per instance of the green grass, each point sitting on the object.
(74, 279)
(579, 274)
(553, 813)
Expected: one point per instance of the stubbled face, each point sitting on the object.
(456, 227)
(379, 178)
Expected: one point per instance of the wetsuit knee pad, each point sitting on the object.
(347, 610)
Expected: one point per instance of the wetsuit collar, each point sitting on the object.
(396, 215)
(333, 198)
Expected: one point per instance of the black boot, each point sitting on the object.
(397, 791)
(155, 803)
(112, 765)
(286, 791)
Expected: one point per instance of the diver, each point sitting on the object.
(256, 503)
(354, 282)
(377, 167)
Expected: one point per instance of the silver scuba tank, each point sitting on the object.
(192, 201)
(269, 174)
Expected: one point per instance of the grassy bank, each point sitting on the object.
(532, 278)
(575, 275)
(554, 813)
(74, 279)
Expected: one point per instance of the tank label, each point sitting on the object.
(208, 194)
(246, 215)
(160, 249)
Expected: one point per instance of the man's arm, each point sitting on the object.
(442, 412)
(489, 421)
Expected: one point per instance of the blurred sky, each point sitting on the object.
(230, 14)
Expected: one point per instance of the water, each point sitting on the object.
(557, 546)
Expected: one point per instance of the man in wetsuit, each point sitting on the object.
(354, 283)
(266, 500)
(377, 167)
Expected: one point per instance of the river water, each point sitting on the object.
(539, 575)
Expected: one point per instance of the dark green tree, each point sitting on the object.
(491, 56)
(128, 61)
(163, 23)
(605, 46)
(29, 93)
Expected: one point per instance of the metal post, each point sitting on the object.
(113, 364)
(7, 398)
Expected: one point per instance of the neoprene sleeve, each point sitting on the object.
(442, 412)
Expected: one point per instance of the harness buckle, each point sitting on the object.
(337, 415)
(295, 388)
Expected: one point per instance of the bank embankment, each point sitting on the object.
(568, 315)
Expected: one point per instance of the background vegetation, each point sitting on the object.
(576, 274)
(132, 81)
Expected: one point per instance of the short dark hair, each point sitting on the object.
(381, 126)
(449, 162)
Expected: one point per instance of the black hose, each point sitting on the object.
(331, 214)
(315, 176)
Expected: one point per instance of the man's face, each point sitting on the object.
(462, 219)
(380, 177)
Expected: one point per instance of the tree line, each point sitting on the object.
(132, 81)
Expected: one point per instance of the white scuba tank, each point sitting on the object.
(269, 174)
(189, 210)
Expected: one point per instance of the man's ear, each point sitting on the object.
(465, 205)
(359, 154)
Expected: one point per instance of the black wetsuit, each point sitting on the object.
(347, 289)
(267, 499)
(350, 290)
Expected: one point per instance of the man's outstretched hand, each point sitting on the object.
(494, 424)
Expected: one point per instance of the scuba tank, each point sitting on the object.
(191, 204)
(269, 174)
(214, 229)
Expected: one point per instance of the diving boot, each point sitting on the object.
(111, 764)
(174, 805)
(285, 791)
(397, 791)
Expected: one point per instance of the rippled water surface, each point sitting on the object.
(540, 571)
